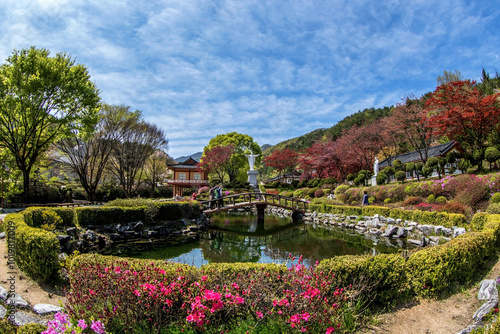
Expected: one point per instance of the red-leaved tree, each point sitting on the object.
(282, 160)
(461, 112)
(217, 160)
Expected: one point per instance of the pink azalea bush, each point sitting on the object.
(62, 324)
(123, 296)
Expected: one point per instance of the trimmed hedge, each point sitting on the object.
(424, 217)
(151, 212)
(381, 277)
(171, 268)
(427, 272)
(37, 250)
(33, 216)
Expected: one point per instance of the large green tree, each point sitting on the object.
(243, 144)
(42, 99)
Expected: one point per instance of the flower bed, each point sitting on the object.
(126, 294)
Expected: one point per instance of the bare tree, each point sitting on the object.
(155, 169)
(88, 155)
(138, 140)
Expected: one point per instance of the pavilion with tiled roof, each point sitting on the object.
(187, 175)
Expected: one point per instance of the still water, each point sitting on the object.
(240, 238)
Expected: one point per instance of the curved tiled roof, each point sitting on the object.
(434, 151)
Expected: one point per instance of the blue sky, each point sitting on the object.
(271, 69)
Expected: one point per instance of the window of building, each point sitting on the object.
(182, 176)
(196, 176)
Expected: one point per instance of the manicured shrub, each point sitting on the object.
(373, 210)
(441, 200)
(400, 176)
(319, 193)
(493, 208)
(33, 216)
(31, 329)
(431, 198)
(312, 191)
(412, 201)
(434, 270)
(478, 221)
(387, 200)
(381, 178)
(495, 198)
(380, 278)
(401, 214)
(300, 193)
(455, 207)
(341, 189)
(37, 251)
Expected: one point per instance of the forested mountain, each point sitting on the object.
(360, 118)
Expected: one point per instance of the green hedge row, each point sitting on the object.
(33, 216)
(36, 250)
(152, 212)
(427, 272)
(423, 217)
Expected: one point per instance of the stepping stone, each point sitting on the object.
(21, 319)
(3, 293)
(2, 235)
(44, 309)
(3, 312)
(18, 301)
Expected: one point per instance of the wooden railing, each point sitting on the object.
(248, 199)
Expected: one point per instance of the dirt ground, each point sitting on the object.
(31, 291)
(446, 316)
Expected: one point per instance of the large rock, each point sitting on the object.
(21, 319)
(18, 301)
(458, 231)
(3, 293)
(2, 235)
(44, 309)
(487, 290)
(391, 230)
(401, 233)
(485, 309)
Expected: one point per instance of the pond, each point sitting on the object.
(241, 238)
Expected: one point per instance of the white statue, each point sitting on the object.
(375, 167)
(251, 159)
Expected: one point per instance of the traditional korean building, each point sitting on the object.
(187, 175)
(435, 151)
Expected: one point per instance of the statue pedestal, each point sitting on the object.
(252, 177)
(374, 180)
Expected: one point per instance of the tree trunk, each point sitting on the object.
(26, 185)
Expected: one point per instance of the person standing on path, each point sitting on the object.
(219, 196)
(365, 199)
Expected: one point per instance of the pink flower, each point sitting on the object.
(259, 314)
(98, 327)
(82, 324)
(330, 330)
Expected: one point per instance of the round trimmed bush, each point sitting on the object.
(341, 189)
(381, 178)
(400, 176)
(493, 209)
(441, 200)
(431, 198)
(412, 201)
(387, 200)
(311, 192)
(319, 193)
(495, 198)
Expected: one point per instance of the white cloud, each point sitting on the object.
(273, 70)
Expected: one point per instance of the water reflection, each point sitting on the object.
(241, 238)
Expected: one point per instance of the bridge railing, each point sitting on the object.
(256, 198)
